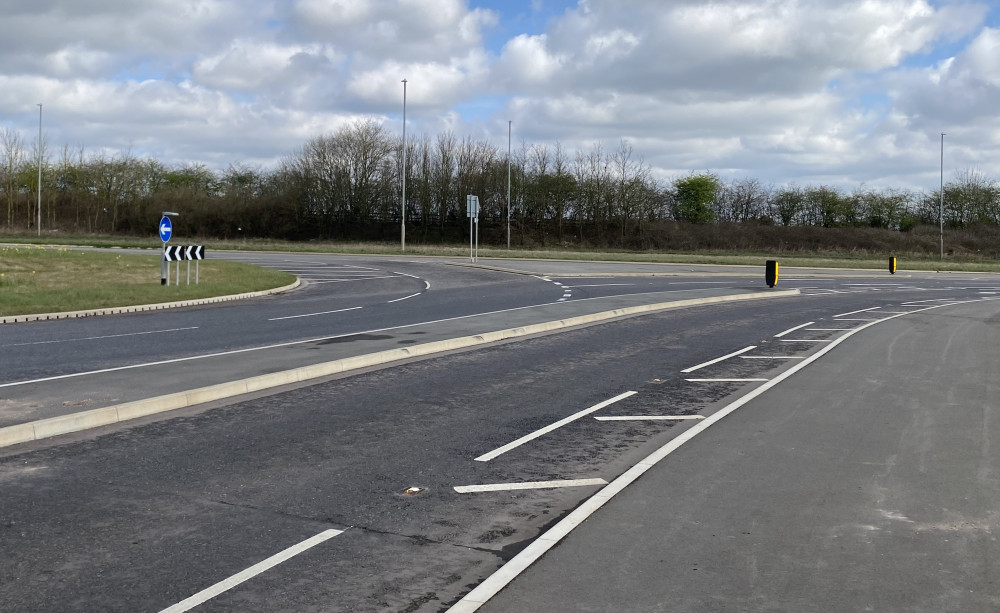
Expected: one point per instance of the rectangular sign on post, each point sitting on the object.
(179, 253)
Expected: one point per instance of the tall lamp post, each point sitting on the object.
(39, 169)
(402, 221)
(941, 194)
(508, 184)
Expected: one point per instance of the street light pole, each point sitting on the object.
(39, 169)
(508, 184)
(402, 221)
(941, 194)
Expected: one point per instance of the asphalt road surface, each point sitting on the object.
(341, 496)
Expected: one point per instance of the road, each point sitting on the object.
(142, 516)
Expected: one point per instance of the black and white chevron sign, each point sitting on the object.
(178, 253)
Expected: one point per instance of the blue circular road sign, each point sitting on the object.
(166, 228)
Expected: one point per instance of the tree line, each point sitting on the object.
(348, 185)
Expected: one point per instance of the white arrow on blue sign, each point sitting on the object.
(166, 229)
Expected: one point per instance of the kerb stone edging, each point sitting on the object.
(65, 424)
(12, 319)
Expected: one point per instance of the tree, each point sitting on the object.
(695, 195)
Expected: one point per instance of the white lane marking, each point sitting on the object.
(858, 319)
(97, 338)
(228, 584)
(717, 360)
(772, 357)
(806, 340)
(828, 329)
(811, 280)
(780, 334)
(699, 283)
(603, 285)
(530, 485)
(648, 417)
(314, 314)
(404, 298)
(486, 457)
(858, 311)
(873, 284)
(724, 380)
(406, 275)
(475, 599)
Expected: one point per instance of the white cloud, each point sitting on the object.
(781, 89)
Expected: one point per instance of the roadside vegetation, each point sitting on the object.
(36, 279)
(342, 192)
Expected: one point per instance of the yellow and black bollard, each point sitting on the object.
(771, 273)
(892, 266)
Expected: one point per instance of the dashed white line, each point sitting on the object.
(780, 334)
(806, 340)
(717, 360)
(314, 314)
(486, 457)
(529, 485)
(223, 586)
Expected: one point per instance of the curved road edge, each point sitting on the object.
(85, 420)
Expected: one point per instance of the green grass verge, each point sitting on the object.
(38, 279)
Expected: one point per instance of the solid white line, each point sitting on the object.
(858, 319)
(858, 311)
(828, 329)
(648, 417)
(531, 485)
(805, 340)
(96, 338)
(772, 357)
(404, 298)
(780, 334)
(475, 599)
(253, 571)
(724, 380)
(313, 314)
(717, 360)
(406, 275)
(486, 457)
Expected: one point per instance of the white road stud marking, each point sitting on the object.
(780, 334)
(479, 596)
(313, 314)
(648, 417)
(717, 360)
(858, 311)
(530, 485)
(253, 571)
(486, 457)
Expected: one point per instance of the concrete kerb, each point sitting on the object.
(54, 426)
(11, 319)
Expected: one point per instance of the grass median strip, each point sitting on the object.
(51, 279)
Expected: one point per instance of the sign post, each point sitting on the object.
(166, 231)
(472, 212)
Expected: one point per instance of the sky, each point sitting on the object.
(837, 92)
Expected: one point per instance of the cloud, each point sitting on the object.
(786, 90)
